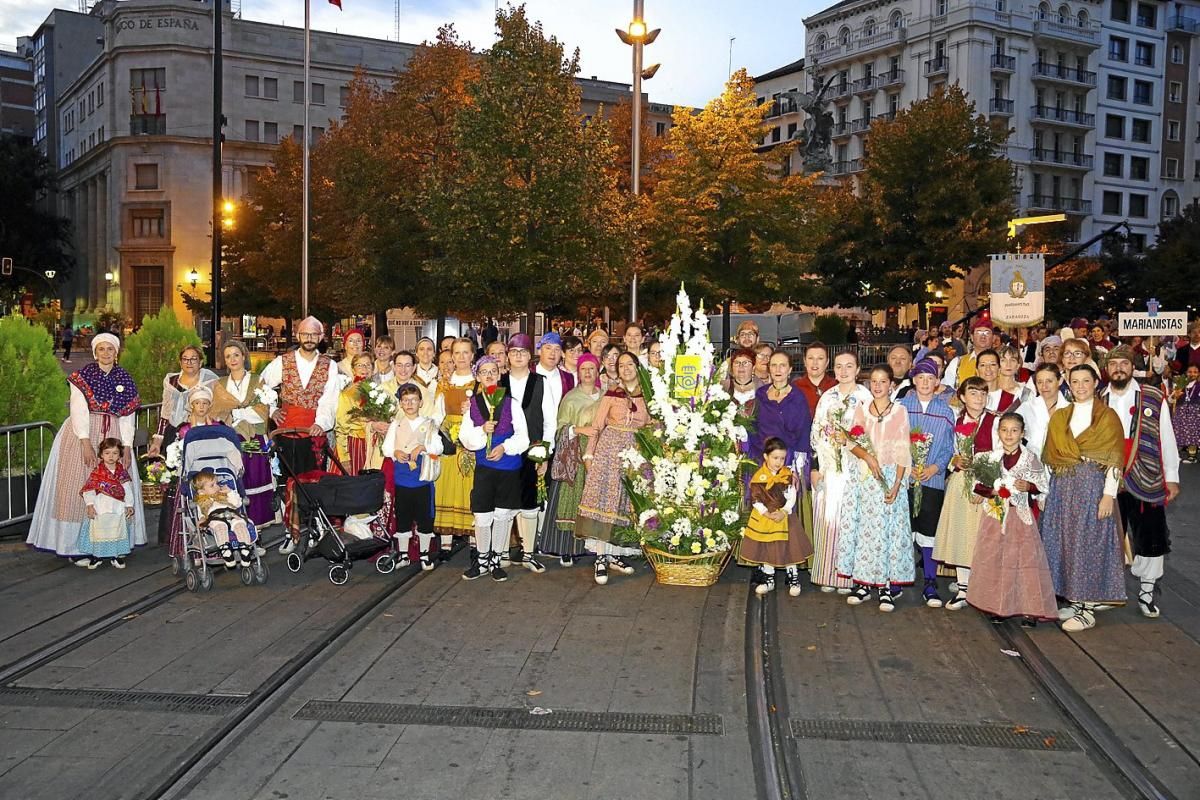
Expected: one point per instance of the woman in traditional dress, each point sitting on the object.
(425, 376)
(1085, 451)
(604, 504)
(875, 540)
(832, 467)
(597, 340)
(1013, 376)
(199, 403)
(236, 402)
(452, 493)
(987, 366)
(355, 437)
(1037, 411)
(958, 527)
(741, 384)
(354, 343)
(1186, 414)
(1074, 353)
(575, 414)
(762, 361)
(572, 349)
(176, 385)
(609, 377)
(1009, 573)
(103, 401)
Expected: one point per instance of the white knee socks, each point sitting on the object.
(527, 529)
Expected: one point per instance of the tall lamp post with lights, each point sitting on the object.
(637, 36)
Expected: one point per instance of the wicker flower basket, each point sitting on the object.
(152, 491)
(679, 570)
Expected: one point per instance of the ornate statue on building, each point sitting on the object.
(818, 127)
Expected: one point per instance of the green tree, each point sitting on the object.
(722, 218)
(1171, 270)
(934, 201)
(32, 237)
(32, 386)
(153, 351)
(528, 216)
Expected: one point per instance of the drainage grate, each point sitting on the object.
(1009, 737)
(514, 718)
(117, 699)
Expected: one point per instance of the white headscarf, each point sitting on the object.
(198, 391)
(100, 338)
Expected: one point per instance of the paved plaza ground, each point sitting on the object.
(549, 686)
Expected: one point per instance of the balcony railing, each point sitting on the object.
(781, 107)
(1000, 105)
(863, 85)
(1004, 63)
(856, 165)
(839, 168)
(1066, 29)
(1182, 23)
(887, 116)
(1070, 205)
(1062, 158)
(1054, 72)
(1065, 116)
(881, 37)
(861, 124)
(841, 128)
(937, 66)
(841, 90)
(893, 77)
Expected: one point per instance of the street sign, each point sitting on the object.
(1161, 323)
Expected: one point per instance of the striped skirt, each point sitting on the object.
(958, 526)
(827, 515)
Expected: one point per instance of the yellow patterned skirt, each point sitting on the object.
(452, 492)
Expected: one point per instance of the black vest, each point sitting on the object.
(531, 403)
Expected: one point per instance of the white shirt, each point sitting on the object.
(895, 393)
(272, 376)
(238, 392)
(1125, 403)
(1037, 422)
(473, 437)
(1081, 419)
(413, 436)
(517, 388)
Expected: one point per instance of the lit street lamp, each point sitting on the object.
(637, 36)
(193, 277)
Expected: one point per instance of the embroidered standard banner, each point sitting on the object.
(1018, 289)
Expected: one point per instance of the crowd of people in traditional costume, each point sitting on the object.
(865, 476)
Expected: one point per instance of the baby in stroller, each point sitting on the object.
(219, 512)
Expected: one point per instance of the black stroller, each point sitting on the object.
(319, 498)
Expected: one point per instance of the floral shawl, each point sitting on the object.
(112, 392)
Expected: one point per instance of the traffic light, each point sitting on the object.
(6, 266)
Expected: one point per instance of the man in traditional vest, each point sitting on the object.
(963, 367)
(538, 401)
(307, 384)
(1151, 473)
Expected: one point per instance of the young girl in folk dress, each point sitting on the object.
(958, 526)
(1187, 414)
(875, 543)
(1009, 572)
(773, 537)
(108, 497)
(230, 532)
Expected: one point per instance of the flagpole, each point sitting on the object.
(305, 136)
(217, 183)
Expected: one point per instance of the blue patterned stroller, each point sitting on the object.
(215, 449)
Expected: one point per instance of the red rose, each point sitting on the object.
(966, 428)
(857, 430)
(490, 390)
(1004, 493)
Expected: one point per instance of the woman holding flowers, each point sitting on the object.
(242, 402)
(875, 543)
(831, 469)
(575, 414)
(1085, 450)
(604, 503)
(932, 438)
(354, 344)
(456, 385)
(352, 429)
(1010, 574)
(958, 526)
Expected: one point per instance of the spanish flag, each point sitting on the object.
(337, 3)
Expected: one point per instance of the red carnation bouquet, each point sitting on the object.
(964, 448)
(857, 437)
(920, 443)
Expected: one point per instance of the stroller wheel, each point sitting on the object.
(206, 580)
(385, 564)
(260, 571)
(191, 579)
(338, 574)
(294, 562)
(175, 567)
(247, 576)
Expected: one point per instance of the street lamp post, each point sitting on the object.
(637, 36)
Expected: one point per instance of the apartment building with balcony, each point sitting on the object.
(785, 119)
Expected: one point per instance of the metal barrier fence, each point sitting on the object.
(25, 449)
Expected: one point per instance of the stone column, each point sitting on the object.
(103, 262)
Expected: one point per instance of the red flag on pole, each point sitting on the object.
(337, 3)
(157, 99)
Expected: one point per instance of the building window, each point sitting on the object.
(251, 130)
(91, 101)
(100, 135)
(147, 95)
(1176, 54)
(1139, 168)
(1138, 204)
(1113, 164)
(317, 133)
(145, 176)
(298, 133)
(251, 86)
(1136, 242)
(270, 88)
(1171, 169)
(1114, 126)
(1143, 54)
(1175, 92)
(1173, 130)
(1118, 48)
(1140, 132)
(775, 134)
(1145, 15)
(343, 96)
(1118, 11)
(99, 95)
(298, 92)
(1116, 87)
(1142, 91)
(660, 129)
(270, 133)
(147, 291)
(147, 125)
(82, 110)
(1111, 203)
(318, 94)
(1170, 206)
(147, 224)
(791, 131)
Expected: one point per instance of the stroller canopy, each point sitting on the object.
(212, 446)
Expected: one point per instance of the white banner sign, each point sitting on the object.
(1163, 323)
(1018, 289)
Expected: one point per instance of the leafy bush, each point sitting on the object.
(153, 351)
(830, 329)
(33, 388)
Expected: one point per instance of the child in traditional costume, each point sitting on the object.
(1187, 414)
(108, 497)
(229, 530)
(773, 537)
(413, 444)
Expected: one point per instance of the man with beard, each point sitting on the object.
(307, 385)
(1150, 477)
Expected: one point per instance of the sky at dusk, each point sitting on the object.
(693, 47)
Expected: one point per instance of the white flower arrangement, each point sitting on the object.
(174, 456)
(684, 475)
(266, 395)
